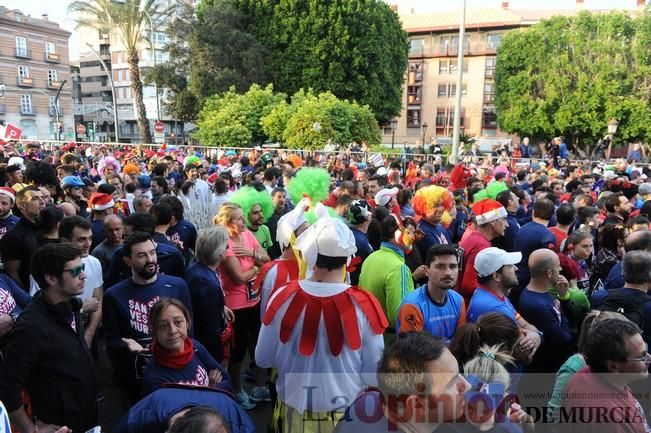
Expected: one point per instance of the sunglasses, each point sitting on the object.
(76, 271)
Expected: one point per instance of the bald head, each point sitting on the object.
(541, 261)
(638, 241)
(68, 209)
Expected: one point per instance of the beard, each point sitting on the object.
(145, 273)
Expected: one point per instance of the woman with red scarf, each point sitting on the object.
(178, 358)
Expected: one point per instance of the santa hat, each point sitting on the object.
(9, 192)
(459, 176)
(100, 201)
(488, 210)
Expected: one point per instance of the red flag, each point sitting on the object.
(12, 132)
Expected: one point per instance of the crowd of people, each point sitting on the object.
(351, 295)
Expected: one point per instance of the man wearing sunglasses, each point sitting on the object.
(46, 353)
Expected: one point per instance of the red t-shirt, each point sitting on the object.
(471, 246)
(560, 236)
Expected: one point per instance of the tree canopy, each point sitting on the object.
(570, 75)
(308, 122)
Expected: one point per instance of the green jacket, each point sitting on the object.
(386, 276)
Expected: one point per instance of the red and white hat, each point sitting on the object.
(100, 201)
(488, 210)
(9, 192)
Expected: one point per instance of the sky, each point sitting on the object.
(57, 9)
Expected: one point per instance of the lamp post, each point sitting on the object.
(153, 59)
(457, 106)
(394, 126)
(612, 129)
(424, 132)
(110, 78)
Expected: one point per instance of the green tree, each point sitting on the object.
(127, 21)
(355, 49)
(570, 75)
(234, 120)
(311, 121)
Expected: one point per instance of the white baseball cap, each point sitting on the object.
(492, 259)
(384, 196)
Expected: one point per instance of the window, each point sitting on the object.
(442, 90)
(489, 93)
(21, 46)
(452, 91)
(414, 94)
(443, 67)
(160, 38)
(53, 105)
(26, 104)
(23, 71)
(489, 118)
(453, 66)
(51, 76)
(449, 45)
(494, 41)
(415, 72)
(413, 118)
(416, 46)
(440, 118)
(490, 67)
(50, 48)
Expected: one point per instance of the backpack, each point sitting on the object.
(632, 309)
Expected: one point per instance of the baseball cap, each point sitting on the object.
(384, 196)
(645, 188)
(492, 259)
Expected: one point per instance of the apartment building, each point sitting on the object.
(429, 93)
(34, 66)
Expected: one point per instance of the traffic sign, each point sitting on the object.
(81, 129)
(159, 127)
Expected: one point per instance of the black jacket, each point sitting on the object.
(44, 355)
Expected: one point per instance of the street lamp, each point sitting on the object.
(113, 92)
(153, 58)
(424, 132)
(56, 110)
(612, 126)
(394, 126)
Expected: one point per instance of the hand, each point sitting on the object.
(420, 272)
(517, 415)
(41, 427)
(90, 305)
(530, 342)
(133, 345)
(562, 285)
(242, 251)
(214, 377)
(6, 323)
(230, 316)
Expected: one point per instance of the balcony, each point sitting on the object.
(428, 51)
(27, 111)
(3, 109)
(25, 81)
(52, 58)
(53, 84)
(23, 53)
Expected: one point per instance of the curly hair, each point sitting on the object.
(426, 199)
(41, 173)
(109, 160)
(248, 196)
(312, 182)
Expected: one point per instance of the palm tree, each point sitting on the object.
(126, 20)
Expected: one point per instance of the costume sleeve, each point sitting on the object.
(410, 318)
(398, 285)
(22, 352)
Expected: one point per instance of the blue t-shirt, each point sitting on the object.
(195, 373)
(440, 319)
(152, 413)
(531, 237)
(549, 315)
(364, 250)
(485, 301)
(7, 224)
(434, 234)
(184, 236)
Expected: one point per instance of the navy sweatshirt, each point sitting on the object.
(208, 306)
(195, 373)
(170, 262)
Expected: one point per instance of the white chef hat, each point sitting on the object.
(328, 237)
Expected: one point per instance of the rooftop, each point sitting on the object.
(16, 15)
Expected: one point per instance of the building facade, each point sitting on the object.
(429, 93)
(34, 66)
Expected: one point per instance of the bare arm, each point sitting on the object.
(232, 266)
(95, 317)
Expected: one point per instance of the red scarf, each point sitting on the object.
(174, 360)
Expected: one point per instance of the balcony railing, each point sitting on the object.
(27, 111)
(52, 57)
(23, 53)
(53, 84)
(451, 50)
(25, 81)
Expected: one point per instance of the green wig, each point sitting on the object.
(311, 182)
(491, 191)
(247, 197)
